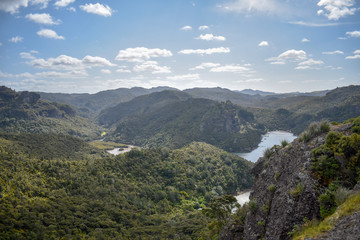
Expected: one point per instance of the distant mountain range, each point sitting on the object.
(165, 116)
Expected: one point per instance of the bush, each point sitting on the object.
(272, 188)
(284, 143)
(253, 206)
(296, 191)
(314, 130)
(327, 204)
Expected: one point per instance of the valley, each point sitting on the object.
(58, 180)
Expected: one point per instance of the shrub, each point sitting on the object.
(327, 204)
(284, 143)
(272, 188)
(276, 176)
(253, 206)
(297, 190)
(267, 153)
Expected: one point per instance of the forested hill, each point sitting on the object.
(174, 119)
(92, 104)
(148, 194)
(26, 112)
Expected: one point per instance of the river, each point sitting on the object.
(268, 140)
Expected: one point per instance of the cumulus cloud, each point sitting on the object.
(336, 9)
(230, 68)
(48, 33)
(353, 34)
(186, 28)
(42, 18)
(97, 8)
(184, 77)
(205, 66)
(211, 37)
(141, 54)
(355, 56)
(333, 52)
(123, 69)
(305, 40)
(207, 51)
(64, 62)
(63, 3)
(204, 27)
(151, 66)
(309, 64)
(289, 55)
(28, 55)
(266, 6)
(16, 39)
(12, 6)
(263, 44)
(312, 24)
(96, 61)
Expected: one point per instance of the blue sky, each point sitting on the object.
(76, 46)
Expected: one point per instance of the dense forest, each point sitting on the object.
(58, 182)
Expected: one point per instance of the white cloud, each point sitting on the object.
(96, 61)
(105, 71)
(27, 55)
(333, 52)
(42, 18)
(43, 2)
(64, 62)
(204, 27)
(230, 68)
(267, 6)
(251, 80)
(16, 39)
(353, 34)
(289, 55)
(151, 66)
(140, 54)
(123, 69)
(71, 9)
(309, 64)
(211, 37)
(186, 28)
(263, 44)
(48, 33)
(63, 3)
(205, 65)
(207, 51)
(12, 6)
(335, 9)
(312, 24)
(355, 56)
(97, 8)
(0, 44)
(184, 77)
(305, 40)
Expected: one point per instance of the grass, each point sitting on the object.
(314, 228)
(107, 145)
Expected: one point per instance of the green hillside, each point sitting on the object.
(26, 112)
(154, 193)
(178, 123)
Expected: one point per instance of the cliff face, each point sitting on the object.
(285, 193)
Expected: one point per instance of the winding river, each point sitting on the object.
(268, 140)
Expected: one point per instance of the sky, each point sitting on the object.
(79, 46)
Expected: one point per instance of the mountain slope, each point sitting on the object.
(26, 112)
(140, 105)
(91, 104)
(178, 123)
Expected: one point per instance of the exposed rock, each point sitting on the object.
(346, 229)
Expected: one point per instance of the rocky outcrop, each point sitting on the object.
(286, 194)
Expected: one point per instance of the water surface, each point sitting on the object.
(268, 140)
